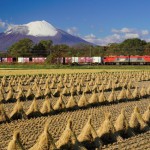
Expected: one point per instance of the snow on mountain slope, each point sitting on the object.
(36, 28)
(41, 28)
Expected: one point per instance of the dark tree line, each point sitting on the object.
(26, 48)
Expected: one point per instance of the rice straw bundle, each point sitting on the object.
(39, 94)
(102, 97)
(57, 92)
(79, 89)
(95, 88)
(15, 143)
(129, 94)
(59, 105)
(33, 110)
(20, 95)
(136, 93)
(65, 91)
(73, 90)
(44, 141)
(1, 96)
(121, 123)
(122, 94)
(53, 85)
(46, 107)
(47, 92)
(146, 115)
(89, 135)
(109, 85)
(71, 102)
(136, 121)
(29, 94)
(2, 89)
(61, 85)
(10, 95)
(3, 115)
(143, 92)
(148, 91)
(87, 89)
(83, 101)
(106, 127)
(112, 97)
(107, 130)
(102, 87)
(94, 98)
(35, 86)
(18, 112)
(68, 139)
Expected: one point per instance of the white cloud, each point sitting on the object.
(145, 32)
(123, 30)
(90, 36)
(119, 35)
(2, 24)
(115, 38)
(5, 25)
(131, 35)
(72, 31)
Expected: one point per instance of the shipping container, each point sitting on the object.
(88, 60)
(41, 59)
(4, 59)
(36, 59)
(59, 60)
(20, 59)
(97, 60)
(26, 59)
(68, 60)
(75, 60)
(81, 60)
(9, 59)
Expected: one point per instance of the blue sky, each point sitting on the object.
(98, 21)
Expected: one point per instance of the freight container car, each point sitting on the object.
(20, 59)
(88, 60)
(9, 59)
(60, 60)
(26, 59)
(97, 60)
(4, 60)
(75, 60)
(68, 60)
(38, 59)
(81, 60)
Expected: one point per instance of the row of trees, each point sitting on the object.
(26, 48)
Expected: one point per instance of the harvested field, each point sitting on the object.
(104, 110)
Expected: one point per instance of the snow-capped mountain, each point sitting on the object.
(36, 31)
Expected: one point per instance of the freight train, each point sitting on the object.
(107, 60)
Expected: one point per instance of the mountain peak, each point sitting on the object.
(36, 28)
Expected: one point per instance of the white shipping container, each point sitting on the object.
(97, 59)
(75, 60)
(20, 59)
